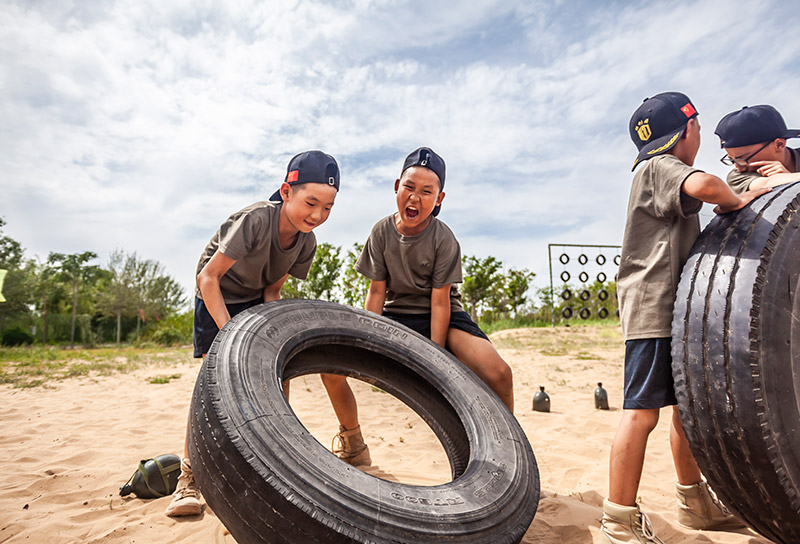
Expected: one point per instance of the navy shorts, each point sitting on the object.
(205, 328)
(421, 323)
(648, 374)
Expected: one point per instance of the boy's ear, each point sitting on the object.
(396, 185)
(440, 198)
(286, 190)
(780, 144)
(689, 124)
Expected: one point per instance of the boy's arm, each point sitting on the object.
(713, 190)
(440, 314)
(773, 180)
(376, 296)
(208, 283)
(273, 292)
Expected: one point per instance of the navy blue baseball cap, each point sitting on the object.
(310, 167)
(658, 124)
(427, 157)
(753, 125)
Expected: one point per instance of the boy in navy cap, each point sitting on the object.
(413, 262)
(248, 260)
(662, 225)
(754, 139)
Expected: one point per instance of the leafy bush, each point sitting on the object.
(168, 336)
(15, 336)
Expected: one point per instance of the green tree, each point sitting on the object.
(353, 285)
(46, 283)
(73, 268)
(482, 288)
(118, 296)
(17, 283)
(515, 288)
(321, 280)
(154, 292)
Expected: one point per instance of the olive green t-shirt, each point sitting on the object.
(660, 231)
(250, 237)
(740, 181)
(412, 266)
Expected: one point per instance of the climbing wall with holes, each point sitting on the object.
(583, 281)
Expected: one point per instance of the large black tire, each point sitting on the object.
(736, 360)
(270, 481)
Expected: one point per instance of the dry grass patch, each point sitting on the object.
(35, 366)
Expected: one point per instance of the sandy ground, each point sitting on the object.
(66, 448)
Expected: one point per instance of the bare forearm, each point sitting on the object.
(273, 292)
(376, 297)
(774, 180)
(440, 323)
(212, 298)
(440, 315)
(710, 189)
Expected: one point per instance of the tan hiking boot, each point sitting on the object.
(626, 525)
(699, 508)
(351, 448)
(186, 498)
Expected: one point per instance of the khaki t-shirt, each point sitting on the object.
(660, 231)
(250, 236)
(412, 265)
(740, 181)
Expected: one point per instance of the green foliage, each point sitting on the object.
(330, 277)
(354, 286)
(174, 330)
(15, 336)
(168, 336)
(491, 295)
(321, 280)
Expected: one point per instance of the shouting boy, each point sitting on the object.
(413, 262)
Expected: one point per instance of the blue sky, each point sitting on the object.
(142, 125)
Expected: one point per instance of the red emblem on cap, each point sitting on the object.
(688, 110)
(292, 176)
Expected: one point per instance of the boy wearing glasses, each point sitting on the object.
(661, 227)
(754, 139)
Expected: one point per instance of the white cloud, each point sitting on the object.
(142, 125)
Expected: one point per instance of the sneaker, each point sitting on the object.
(351, 447)
(626, 525)
(699, 508)
(186, 498)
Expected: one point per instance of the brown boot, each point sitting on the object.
(625, 525)
(351, 448)
(186, 498)
(699, 508)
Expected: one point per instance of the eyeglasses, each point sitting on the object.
(727, 160)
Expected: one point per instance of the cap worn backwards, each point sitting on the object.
(752, 125)
(658, 124)
(310, 167)
(427, 158)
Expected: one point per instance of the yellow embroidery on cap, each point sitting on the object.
(665, 146)
(643, 130)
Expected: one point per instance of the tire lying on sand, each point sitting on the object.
(736, 360)
(269, 480)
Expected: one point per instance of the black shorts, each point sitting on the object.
(648, 374)
(421, 323)
(205, 328)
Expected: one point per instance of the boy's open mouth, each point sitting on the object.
(412, 212)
